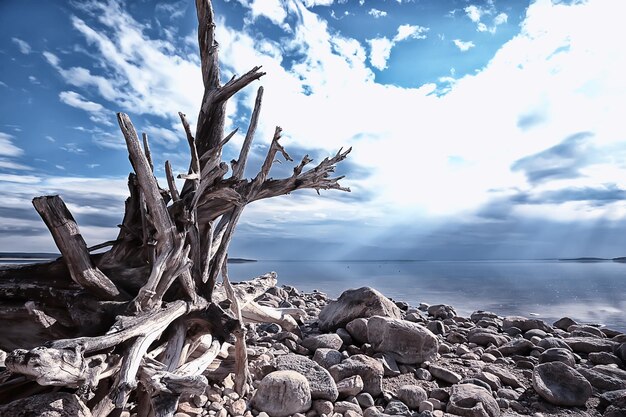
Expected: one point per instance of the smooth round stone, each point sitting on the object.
(411, 395)
(282, 393)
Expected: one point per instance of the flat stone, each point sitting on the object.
(490, 379)
(343, 406)
(486, 337)
(328, 341)
(519, 346)
(604, 358)
(507, 377)
(369, 369)
(356, 303)
(321, 384)
(407, 342)
(350, 386)
(525, 324)
(558, 355)
(590, 344)
(282, 393)
(444, 374)
(559, 384)
(605, 378)
(468, 400)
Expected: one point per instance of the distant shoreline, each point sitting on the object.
(43, 256)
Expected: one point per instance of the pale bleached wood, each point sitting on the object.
(239, 165)
(70, 242)
(242, 373)
(171, 183)
(147, 151)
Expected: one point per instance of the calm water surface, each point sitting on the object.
(587, 292)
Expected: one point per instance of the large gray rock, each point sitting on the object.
(590, 344)
(405, 341)
(321, 384)
(605, 378)
(283, 393)
(468, 400)
(369, 369)
(559, 384)
(352, 304)
(54, 404)
(558, 355)
(525, 324)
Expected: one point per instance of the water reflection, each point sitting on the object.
(588, 292)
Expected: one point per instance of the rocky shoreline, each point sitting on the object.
(366, 355)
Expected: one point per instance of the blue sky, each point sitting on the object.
(481, 129)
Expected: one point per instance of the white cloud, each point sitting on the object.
(380, 48)
(477, 14)
(410, 31)
(500, 19)
(7, 148)
(312, 3)
(380, 51)
(377, 13)
(271, 9)
(173, 82)
(423, 155)
(23, 46)
(97, 112)
(74, 99)
(463, 46)
(474, 13)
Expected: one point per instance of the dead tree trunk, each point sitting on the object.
(143, 320)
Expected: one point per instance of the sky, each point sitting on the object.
(487, 129)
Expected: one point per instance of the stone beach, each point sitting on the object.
(366, 355)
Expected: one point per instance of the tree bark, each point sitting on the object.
(143, 323)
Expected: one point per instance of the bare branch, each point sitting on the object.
(146, 149)
(171, 183)
(239, 165)
(70, 242)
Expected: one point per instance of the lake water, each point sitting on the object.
(587, 292)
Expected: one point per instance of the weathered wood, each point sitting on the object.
(145, 322)
(70, 242)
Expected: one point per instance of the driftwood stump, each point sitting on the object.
(146, 319)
